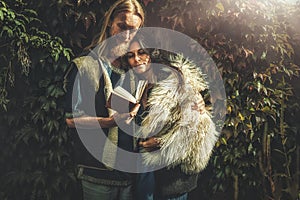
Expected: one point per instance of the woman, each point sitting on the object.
(185, 136)
(139, 61)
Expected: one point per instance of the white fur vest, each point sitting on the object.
(187, 137)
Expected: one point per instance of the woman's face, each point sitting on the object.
(138, 58)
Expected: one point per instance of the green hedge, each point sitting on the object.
(255, 44)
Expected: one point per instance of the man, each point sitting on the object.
(87, 94)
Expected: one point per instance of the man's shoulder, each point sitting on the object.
(88, 67)
(91, 62)
(85, 61)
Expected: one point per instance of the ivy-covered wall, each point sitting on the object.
(254, 43)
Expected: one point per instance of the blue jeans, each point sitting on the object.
(181, 197)
(145, 183)
(145, 186)
(92, 191)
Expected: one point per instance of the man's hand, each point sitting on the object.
(121, 118)
(126, 117)
(199, 105)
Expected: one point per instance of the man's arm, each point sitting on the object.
(199, 105)
(87, 122)
(75, 116)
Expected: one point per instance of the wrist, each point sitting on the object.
(107, 122)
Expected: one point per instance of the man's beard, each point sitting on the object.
(119, 49)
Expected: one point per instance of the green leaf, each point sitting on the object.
(1, 15)
(56, 57)
(11, 13)
(30, 11)
(66, 54)
(264, 55)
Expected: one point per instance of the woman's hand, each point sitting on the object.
(151, 143)
(134, 110)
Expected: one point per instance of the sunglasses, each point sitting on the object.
(141, 53)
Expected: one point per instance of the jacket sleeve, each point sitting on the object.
(73, 89)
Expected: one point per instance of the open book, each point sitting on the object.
(122, 101)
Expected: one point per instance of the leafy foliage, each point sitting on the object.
(35, 163)
(76, 22)
(255, 44)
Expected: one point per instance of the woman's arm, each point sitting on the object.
(154, 142)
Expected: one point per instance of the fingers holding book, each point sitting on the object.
(135, 110)
(126, 117)
(121, 117)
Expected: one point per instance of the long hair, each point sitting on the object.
(132, 6)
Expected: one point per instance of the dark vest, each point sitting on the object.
(90, 168)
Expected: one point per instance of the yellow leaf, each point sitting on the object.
(220, 6)
(241, 116)
(229, 109)
(224, 140)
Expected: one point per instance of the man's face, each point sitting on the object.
(124, 25)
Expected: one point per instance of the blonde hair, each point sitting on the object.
(132, 6)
